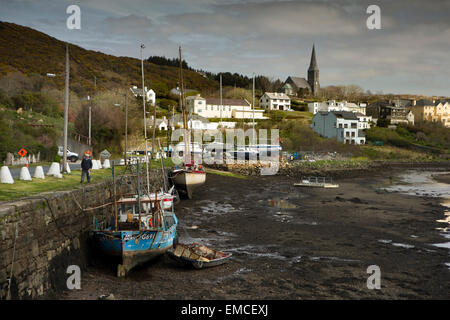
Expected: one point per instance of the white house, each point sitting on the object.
(275, 101)
(230, 108)
(149, 94)
(340, 125)
(363, 121)
(333, 105)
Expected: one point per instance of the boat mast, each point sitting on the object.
(145, 122)
(187, 136)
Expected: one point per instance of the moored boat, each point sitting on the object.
(188, 178)
(142, 231)
(197, 255)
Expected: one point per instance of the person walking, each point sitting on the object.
(86, 166)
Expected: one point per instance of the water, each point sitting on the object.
(422, 184)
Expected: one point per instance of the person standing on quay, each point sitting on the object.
(86, 166)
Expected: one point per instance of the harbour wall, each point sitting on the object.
(42, 235)
(350, 169)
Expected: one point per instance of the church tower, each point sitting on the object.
(313, 73)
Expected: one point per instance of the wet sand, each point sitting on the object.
(295, 243)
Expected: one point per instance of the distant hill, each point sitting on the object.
(28, 51)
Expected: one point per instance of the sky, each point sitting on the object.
(409, 54)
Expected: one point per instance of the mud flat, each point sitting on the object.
(296, 243)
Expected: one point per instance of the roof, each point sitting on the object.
(424, 102)
(227, 102)
(275, 95)
(347, 115)
(179, 118)
(299, 82)
(195, 97)
(138, 91)
(313, 64)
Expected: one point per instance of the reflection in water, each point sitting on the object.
(282, 204)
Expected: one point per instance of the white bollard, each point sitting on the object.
(5, 175)
(106, 164)
(95, 165)
(39, 173)
(54, 169)
(25, 174)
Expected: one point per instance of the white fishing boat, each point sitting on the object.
(188, 178)
(190, 175)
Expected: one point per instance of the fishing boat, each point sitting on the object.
(143, 230)
(144, 226)
(197, 255)
(190, 175)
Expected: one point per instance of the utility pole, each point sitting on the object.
(90, 111)
(221, 106)
(126, 124)
(66, 110)
(253, 106)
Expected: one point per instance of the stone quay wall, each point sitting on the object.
(42, 235)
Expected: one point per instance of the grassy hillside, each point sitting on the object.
(37, 53)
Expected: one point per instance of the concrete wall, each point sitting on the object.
(52, 234)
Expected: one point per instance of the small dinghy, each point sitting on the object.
(198, 256)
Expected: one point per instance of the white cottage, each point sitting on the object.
(275, 101)
(230, 108)
(150, 95)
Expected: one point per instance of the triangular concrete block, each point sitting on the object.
(39, 173)
(94, 165)
(5, 175)
(106, 164)
(54, 169)
(25, 174)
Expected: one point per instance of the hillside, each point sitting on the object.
(37, 53)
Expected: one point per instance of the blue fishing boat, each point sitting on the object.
(142, 231)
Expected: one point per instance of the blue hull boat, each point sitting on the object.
(134, 245)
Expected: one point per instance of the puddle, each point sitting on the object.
(332, 259)
(421, 183)
(403, 245)
(396, 244)
(258, 252)
(213, 207)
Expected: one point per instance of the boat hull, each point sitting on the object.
(134, 247)
(189, 181)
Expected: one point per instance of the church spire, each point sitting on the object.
(313, 73)
(313, 64)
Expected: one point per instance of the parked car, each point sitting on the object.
(72, 156)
